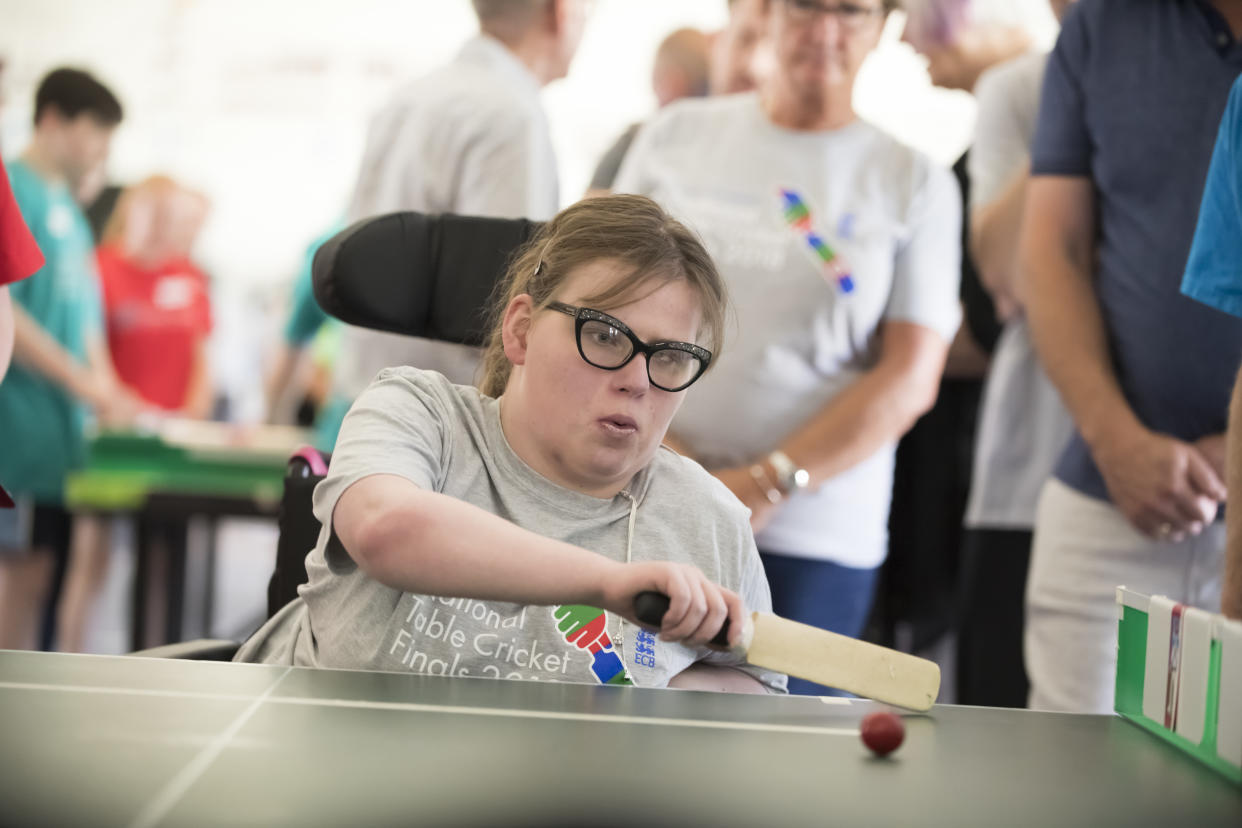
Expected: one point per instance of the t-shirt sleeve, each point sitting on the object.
(398, 427)
(19, 254)
(1214, 268)
(927, 267)
(1062, 143)
(1000, 146)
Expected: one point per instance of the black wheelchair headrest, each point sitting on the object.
(419, 275)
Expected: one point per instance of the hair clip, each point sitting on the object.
(538, 268)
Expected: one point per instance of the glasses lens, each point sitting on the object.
(603, 345)
(672, 368)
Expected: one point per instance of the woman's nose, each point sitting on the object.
(632, 377)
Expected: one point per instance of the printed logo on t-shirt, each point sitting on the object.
(174, 292)
(798, 216)
(586, 628)
(645, 649)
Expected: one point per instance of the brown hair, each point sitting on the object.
(630, 229)
(133, 227)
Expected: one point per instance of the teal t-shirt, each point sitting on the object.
(42, 426)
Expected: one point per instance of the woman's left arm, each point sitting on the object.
(875, 410)
(878, 408)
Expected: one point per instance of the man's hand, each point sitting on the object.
(697, 607)
(1212, 447)
(747, 489)
(1166, 488)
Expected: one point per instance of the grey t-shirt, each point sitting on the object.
(447, 438)
(470, 137)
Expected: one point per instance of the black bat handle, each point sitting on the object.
(651, 606)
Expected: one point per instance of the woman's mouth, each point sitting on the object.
(619, 425)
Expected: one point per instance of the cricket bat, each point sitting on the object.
(823, 657)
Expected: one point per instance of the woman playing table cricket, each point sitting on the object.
(504, 531)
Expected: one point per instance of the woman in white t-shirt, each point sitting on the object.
(841, 249)
(504, 531)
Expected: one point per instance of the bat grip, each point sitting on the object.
(650, 608)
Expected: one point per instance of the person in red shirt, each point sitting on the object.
(156, 300)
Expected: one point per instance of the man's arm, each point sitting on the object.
(120, 405)
(994, 234)
(1231, 591)
(1164, 486)
(35, 349)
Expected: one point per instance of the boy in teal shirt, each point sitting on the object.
(60, 367)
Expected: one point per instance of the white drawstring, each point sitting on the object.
(619, 639)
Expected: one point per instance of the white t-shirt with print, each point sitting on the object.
(767, 201)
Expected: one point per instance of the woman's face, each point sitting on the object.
(822, 43)
(583, 427)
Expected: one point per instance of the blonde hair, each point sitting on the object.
(135, 228)
(629, 229)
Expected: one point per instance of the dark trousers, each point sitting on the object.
(990, 671)
(822, 594)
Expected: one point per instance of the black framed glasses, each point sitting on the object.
(853, 17)
(605, 342)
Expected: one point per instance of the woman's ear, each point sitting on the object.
(515, 328)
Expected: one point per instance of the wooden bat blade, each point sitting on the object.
(842, 662)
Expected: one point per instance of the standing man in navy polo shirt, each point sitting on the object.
(1132, 97)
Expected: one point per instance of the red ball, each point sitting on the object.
(882, 732)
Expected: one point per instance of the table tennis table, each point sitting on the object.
(125, 741)
(163, 478)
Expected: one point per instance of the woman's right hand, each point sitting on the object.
(697, 607)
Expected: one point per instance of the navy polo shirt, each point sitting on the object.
(1133, 96)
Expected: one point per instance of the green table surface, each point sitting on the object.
(124, 469)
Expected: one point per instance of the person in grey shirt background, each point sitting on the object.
(470, 138)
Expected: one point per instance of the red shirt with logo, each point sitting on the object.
(156, 317)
